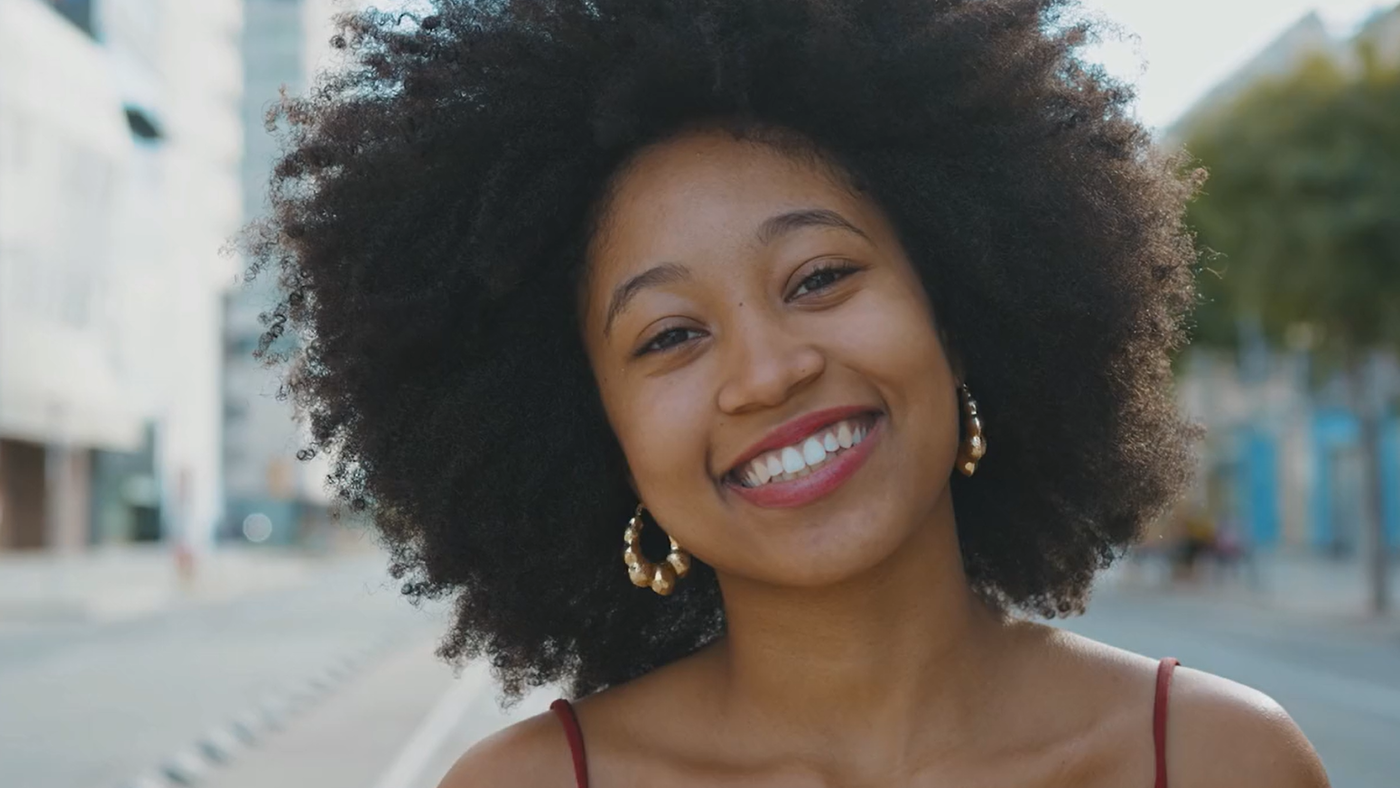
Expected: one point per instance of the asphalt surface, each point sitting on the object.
(90, 705)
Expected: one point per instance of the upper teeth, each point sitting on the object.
(800, 458)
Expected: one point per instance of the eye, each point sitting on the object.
(825, 276)
(666, 340)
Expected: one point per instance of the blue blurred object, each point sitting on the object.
(1335, 511)
(1259, 479)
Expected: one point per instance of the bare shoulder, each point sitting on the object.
(532, 753)
(1221, 733)
(535, 752)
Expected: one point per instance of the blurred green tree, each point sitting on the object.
(1303, 207)
(1299, 223)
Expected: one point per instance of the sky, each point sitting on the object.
(1182, 48)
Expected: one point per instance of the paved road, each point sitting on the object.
(89, 705)
(401, 725)
(84, 707)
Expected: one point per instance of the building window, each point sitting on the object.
(143, 125)
(79, 12)
(235, 409)
(242, 346)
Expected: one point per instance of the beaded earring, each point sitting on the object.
(974, 445)
(661, 577)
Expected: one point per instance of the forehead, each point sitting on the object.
(705, 193)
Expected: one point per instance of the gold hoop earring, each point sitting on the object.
(974, 445)
(661, 577)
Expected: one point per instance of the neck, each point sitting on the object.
(891, 662)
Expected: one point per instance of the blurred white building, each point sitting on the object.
(285, 42)
(120, 149)
(1309, 37)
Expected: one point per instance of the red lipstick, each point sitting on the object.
(826, 477)
(797, 429)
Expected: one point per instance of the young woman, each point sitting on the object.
(753, 368)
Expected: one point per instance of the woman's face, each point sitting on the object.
(769, 362)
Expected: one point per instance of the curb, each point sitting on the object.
(190, 765)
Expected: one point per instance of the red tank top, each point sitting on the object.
(565, 712)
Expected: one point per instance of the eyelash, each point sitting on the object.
(840, 268)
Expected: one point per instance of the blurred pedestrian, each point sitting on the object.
(1229, 551)
(1196, 544)
(840, 330)
(185, 558)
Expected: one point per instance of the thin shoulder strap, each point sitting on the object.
(565, 712)
(1159, 716)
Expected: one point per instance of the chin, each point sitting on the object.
(836, 551)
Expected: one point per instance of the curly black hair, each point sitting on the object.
(431, 214)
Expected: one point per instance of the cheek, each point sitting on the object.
(892, 336)
(893, 342)
(662, 428)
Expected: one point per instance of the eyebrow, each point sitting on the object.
(664, 274)
(772, 228)
(777, 226)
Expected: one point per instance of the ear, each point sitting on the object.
(954, 360)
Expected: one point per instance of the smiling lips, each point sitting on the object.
(822, 450)
(796, 461)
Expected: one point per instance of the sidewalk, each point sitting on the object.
(402, 724)
(1297, 583)
(127, 581)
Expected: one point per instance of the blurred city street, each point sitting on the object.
(98, 700)
(183, 604)
(102, 701)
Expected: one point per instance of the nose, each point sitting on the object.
(765, 366)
